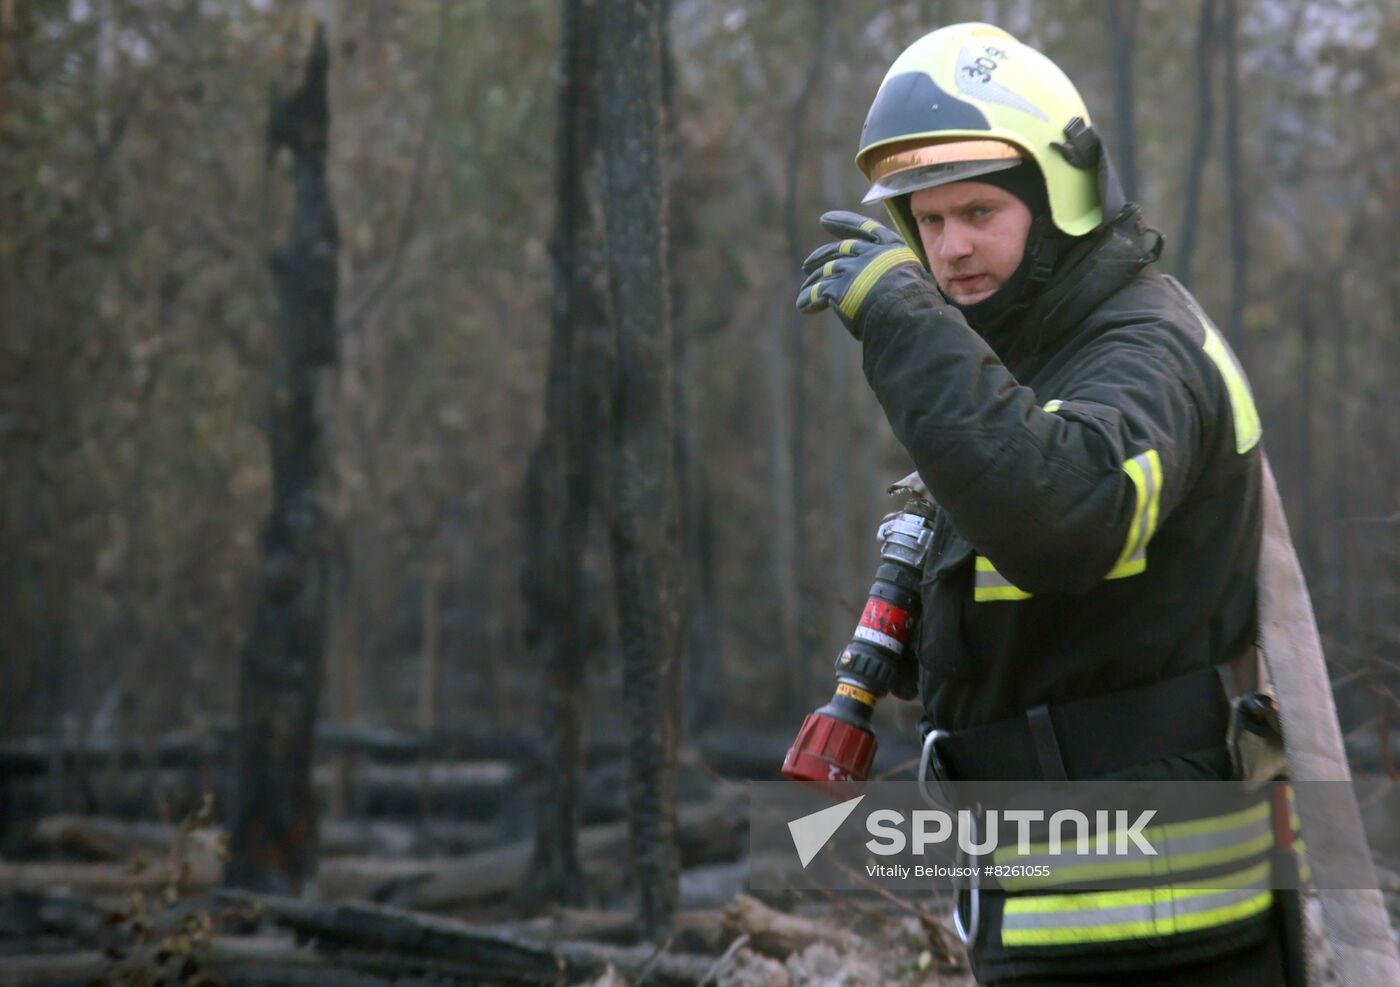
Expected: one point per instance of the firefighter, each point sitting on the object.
(1093, 448)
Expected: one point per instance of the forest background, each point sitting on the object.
(138, 206)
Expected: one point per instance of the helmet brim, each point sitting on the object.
(930, 176)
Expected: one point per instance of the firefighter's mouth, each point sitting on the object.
(968, 283)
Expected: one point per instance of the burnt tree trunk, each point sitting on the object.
(562, 471)
(699, 597)
(644, 530)
(1122, 36)
(1200, 145)
(1234, 182)
(274, 816)
(807, 637)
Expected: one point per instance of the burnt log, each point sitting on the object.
(779, 934)
(707, 833)
(381, 939)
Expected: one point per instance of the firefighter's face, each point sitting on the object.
(974, 236)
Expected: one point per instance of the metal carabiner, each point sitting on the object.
(968, 932)
(928, 758)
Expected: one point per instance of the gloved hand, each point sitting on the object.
(846, 275)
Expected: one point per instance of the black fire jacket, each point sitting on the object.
(1097, 469)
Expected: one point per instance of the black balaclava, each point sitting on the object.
(1045, 244)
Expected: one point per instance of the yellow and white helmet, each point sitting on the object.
(968, 100)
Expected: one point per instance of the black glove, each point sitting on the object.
(846, 275)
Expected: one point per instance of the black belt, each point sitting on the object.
(1088, 738)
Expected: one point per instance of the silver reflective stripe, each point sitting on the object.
(1149, 491)
(988, 584)
(1192, 836)
(1145, 470)
(1181, 848)
(992, 578)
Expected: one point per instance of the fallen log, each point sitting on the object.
(707, 833)
(779, 934)
(99, 838)
(187, 748)
(29, 918)
(236, 961)
(698, 930)
(103, 838)
(364, 837)
(594, 924)
(199, 872)
(382, 939)
(757, 755)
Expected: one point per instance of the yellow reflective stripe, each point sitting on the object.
(1218, 824)
(997, 593)
(1053, 406)
(1236, 906)
(1239, 819)
(989, 585)
(1179, 861)
(828, 268)
(846, 247)
(1251, 877)
(873, 272)
(816, 290)
(1209, 858)
(1247, 427)
(1082, 873)
(1182, 847)
(1145, 470)
(868, 225)
(1165, 864)
(1300, 847)
(1102, 901)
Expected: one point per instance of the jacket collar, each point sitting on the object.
(1089, 273)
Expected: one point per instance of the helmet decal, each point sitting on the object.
(975, 76)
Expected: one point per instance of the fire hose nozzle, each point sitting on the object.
(836, 745)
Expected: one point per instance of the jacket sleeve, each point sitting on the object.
(1057, 500)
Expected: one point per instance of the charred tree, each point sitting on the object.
(562, 474)
(274, 816)
(1234, 181)
(1122, 36)
(699, 596)
(806, 638)
(1200, 144)
(645, 524)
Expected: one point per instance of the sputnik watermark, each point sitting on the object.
(1109, 832)
(1020, 836)
(813, 831)
(1106, 834)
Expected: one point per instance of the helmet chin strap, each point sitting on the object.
(1045, 244)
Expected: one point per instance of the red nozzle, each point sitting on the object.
(828, 752)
